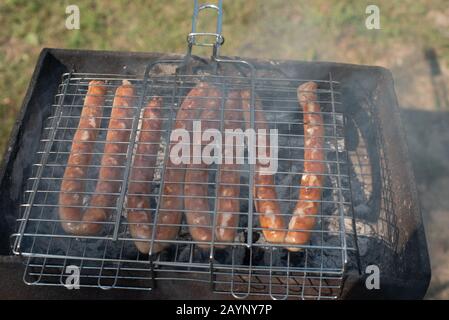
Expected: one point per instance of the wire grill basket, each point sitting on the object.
(248, 265)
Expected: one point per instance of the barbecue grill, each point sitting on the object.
(369, 213)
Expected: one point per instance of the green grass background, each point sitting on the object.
(279, 29)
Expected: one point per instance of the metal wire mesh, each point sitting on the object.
(246, 266)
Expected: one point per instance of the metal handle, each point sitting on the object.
(192, 38)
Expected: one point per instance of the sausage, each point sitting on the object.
(113, 158)
(70, 197)
(228, 207)
(139, 188)
(265, 197)
(172, 203)
(307, 207)
(196, 180)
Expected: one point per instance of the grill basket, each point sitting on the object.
(249, 265)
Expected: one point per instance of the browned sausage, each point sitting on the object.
(228, 208)
(307, 207)
(139, 188)
(113, 159)
(196, 181)
(73, 184)
(265, 197)
(172, 204)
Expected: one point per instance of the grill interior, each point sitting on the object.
(248, 265)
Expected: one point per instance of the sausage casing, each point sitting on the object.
(142, 172)
(265, 197)
(308, 205)
(73, 183)
(103, 202)
(196, 203)
(228, 208)
(172, 202)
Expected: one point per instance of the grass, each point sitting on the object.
(281, 29)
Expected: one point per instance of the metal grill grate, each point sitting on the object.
(247, 266)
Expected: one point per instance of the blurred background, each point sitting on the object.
(413, 42)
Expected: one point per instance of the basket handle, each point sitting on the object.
(206, 39)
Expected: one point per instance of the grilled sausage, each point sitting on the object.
(307, 207)
(172, 204)
(113, 158)
(265, 197)
(196, 181)
(139, 188)
(228, 208)
(70, 197)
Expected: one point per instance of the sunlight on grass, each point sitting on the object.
(280, 29)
